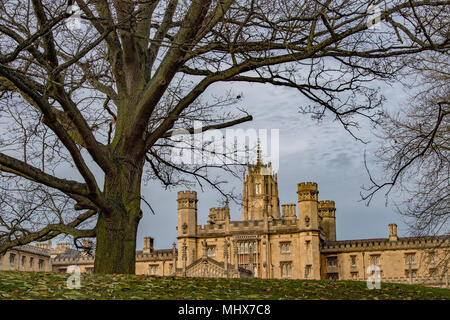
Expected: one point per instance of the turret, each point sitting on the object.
(307, 205)
(187, 228)
(327, 211)
(187, 213)
(308, 221)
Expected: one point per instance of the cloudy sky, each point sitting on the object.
(324, 153)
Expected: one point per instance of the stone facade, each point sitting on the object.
(296, 242)
(26, 258)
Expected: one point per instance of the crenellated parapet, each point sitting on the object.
(43, 251)
(187, 199)
(80, 260)
(289, 211)
(220, 214)
(327, 208)
(384, 244)
(157, 255)
(307, 191)
(247, 227)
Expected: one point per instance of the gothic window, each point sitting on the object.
(211, 251)
(411, 274)
(353, 259)
(332, 276)
(307, 271)
(332, 261)
(354, 275)
(285, 247)
(185, 226)
(410, 257)
(286, 269)
(24, 259)
(12, 259)
(31, 262)
(153, 269)
(375, 259)
(258, 188)
(41, 264)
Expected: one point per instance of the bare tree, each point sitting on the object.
(112, 92)
(415, 150)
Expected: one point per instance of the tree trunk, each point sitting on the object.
(116, 243)
(117, 230)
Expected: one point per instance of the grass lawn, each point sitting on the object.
(37, 285)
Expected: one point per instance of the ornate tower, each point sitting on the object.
(308, 206)
(187, 225)
(308, 222)
(327, 211)
(260, 193)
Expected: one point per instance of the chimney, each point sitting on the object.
(393, 232)
(148, 245)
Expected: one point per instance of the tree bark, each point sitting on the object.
(116, 243)
(117, 230)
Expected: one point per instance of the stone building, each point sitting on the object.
(292, 241)
(26, 258)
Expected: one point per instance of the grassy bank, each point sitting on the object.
(34, 285)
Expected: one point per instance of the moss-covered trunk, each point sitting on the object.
(116, 243)
(117, 229)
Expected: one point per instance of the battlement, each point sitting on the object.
(33, 249)
(187, 199)
(383, 244)
(288, 210)
(307, 191)
(165, 254)
(218, 210)
(73, 260)
(247, 226)
(327, 204)
(327, 208)
(187, 194)
(305, 186)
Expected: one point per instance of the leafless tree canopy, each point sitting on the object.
(112, 91)
(415, 153)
